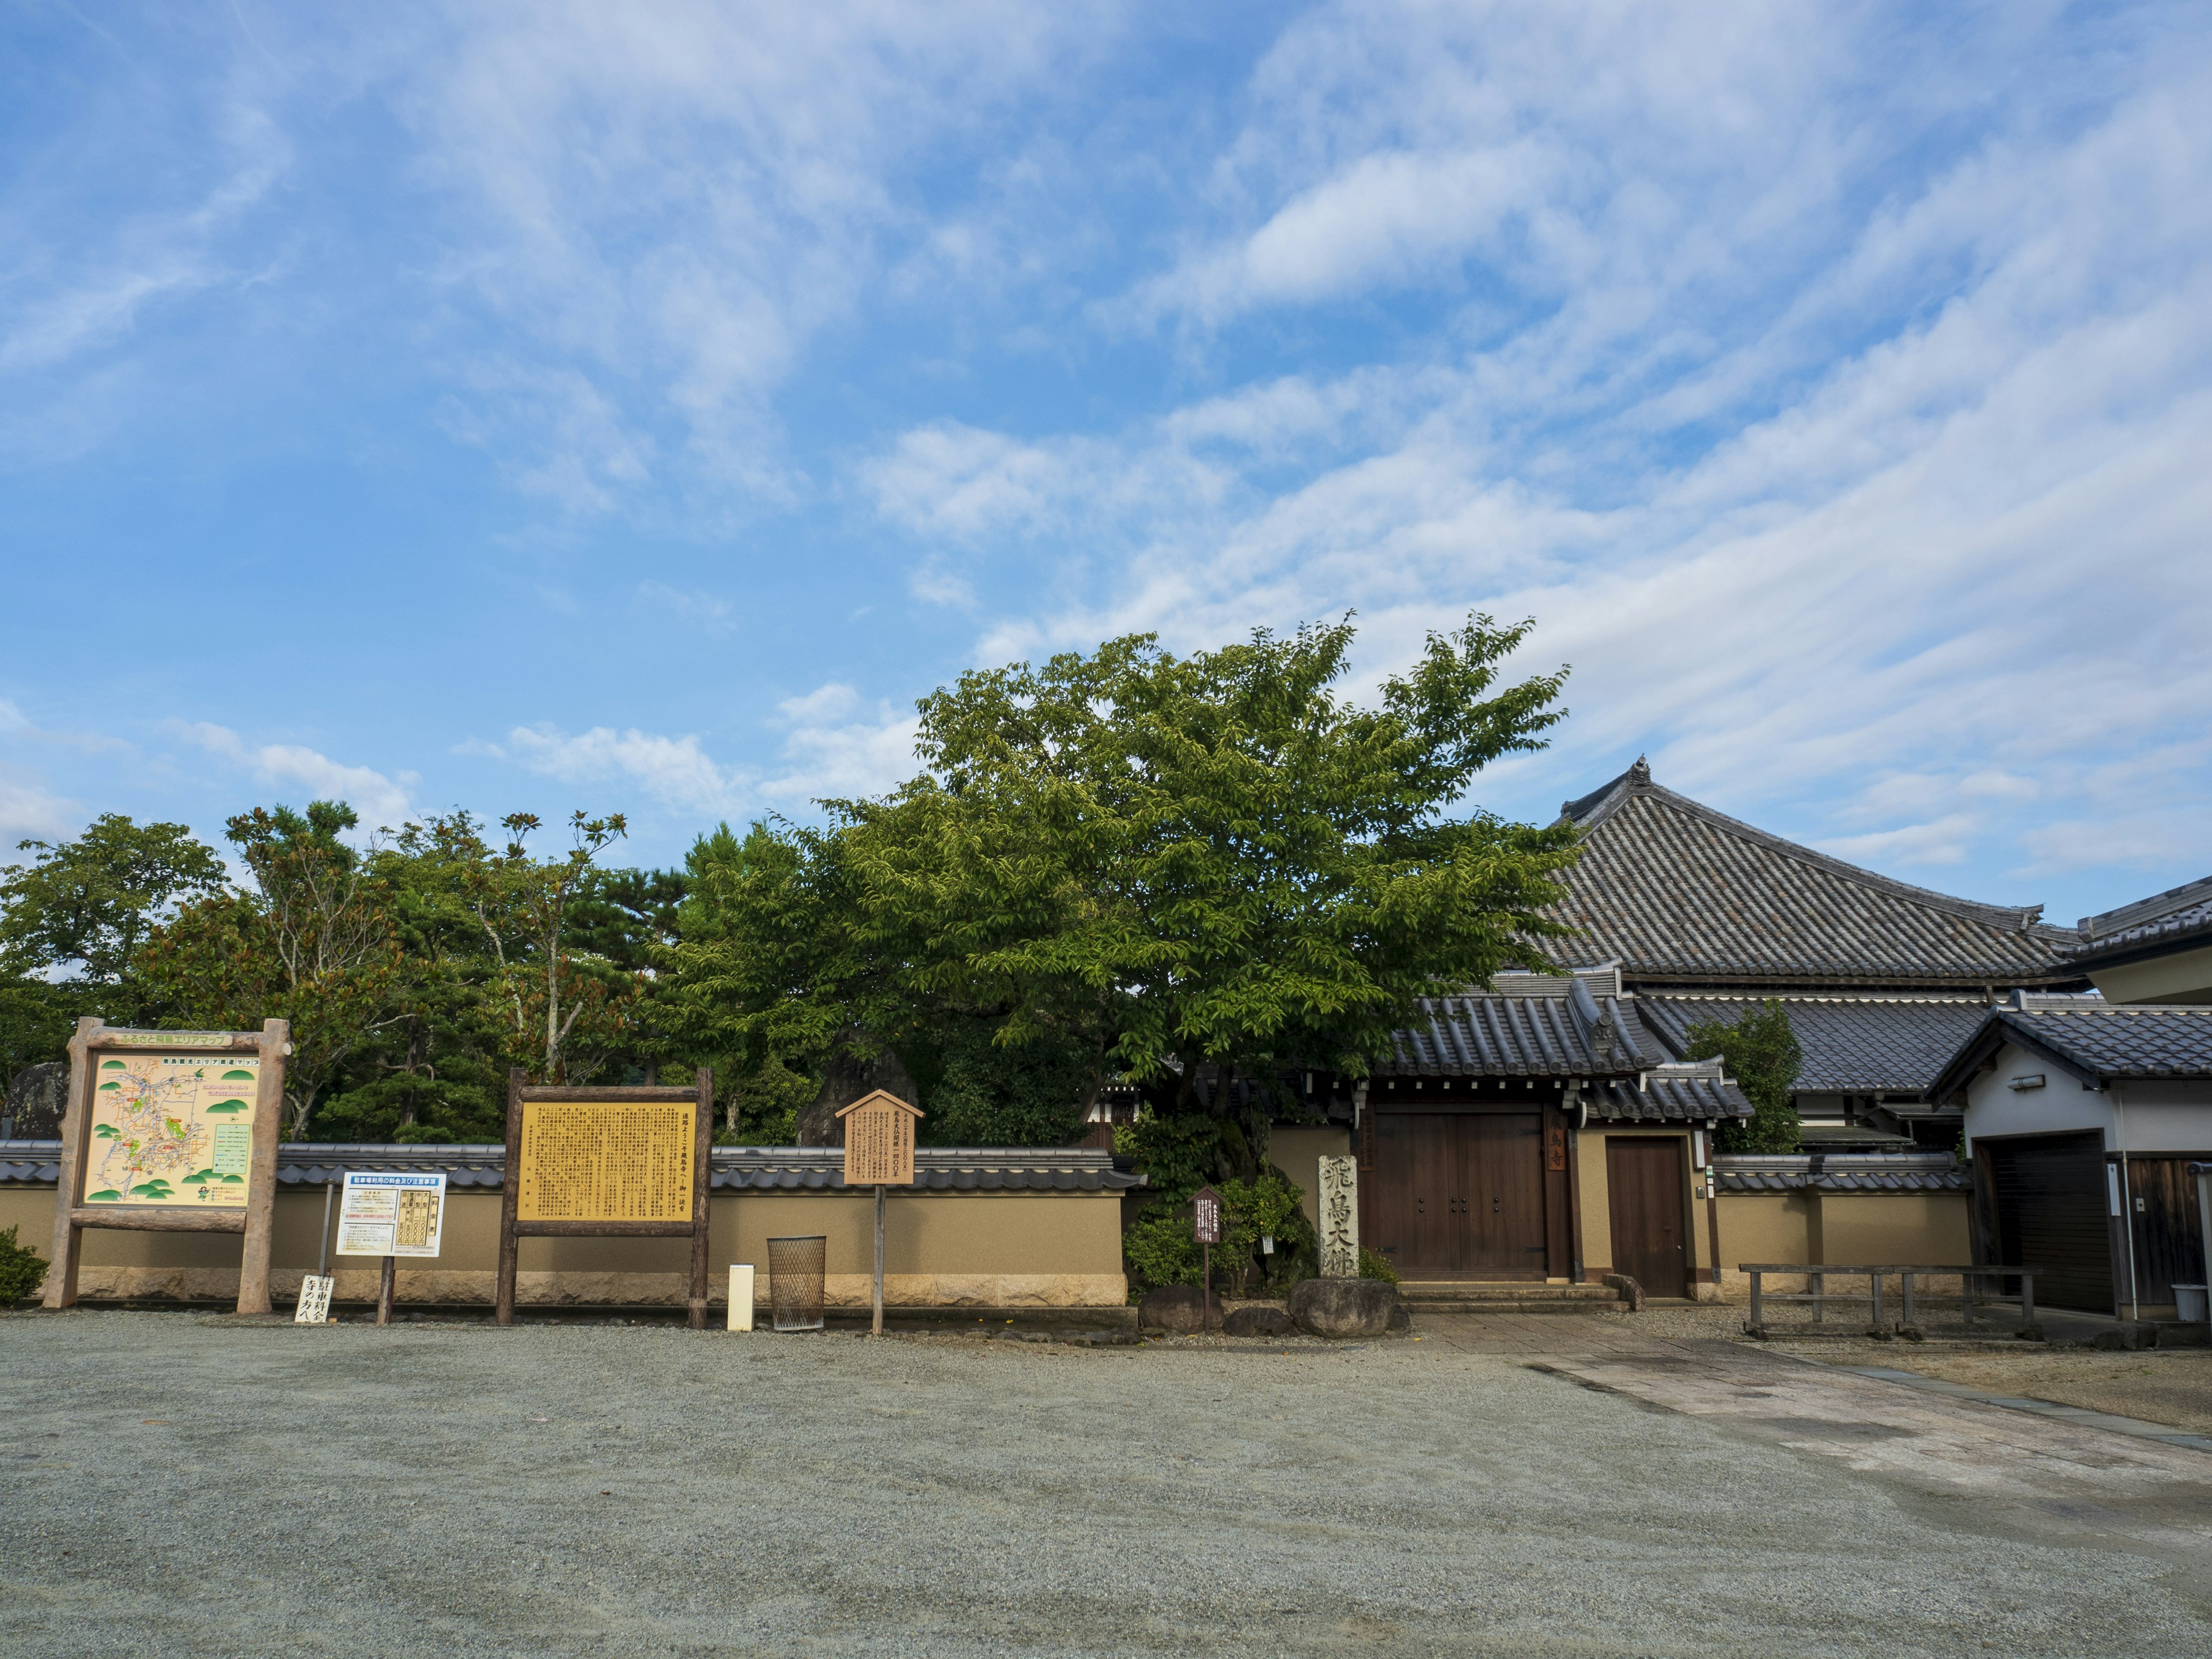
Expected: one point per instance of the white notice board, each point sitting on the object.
(384, 1214)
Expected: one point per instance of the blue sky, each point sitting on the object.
(636, 407)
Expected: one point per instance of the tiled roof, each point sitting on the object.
(1673, 1094)
(1573, 1034)
(1836, 1172)
(937, 1168)
(1851, 1044)
(2180, 916)
(2144, 1040)
(1678, 892)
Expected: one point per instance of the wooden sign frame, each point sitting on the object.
(513, 1228)
(255, 1222)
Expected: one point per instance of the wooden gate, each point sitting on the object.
(2054, 1214)
(1461, 1194)
(1643, 1176)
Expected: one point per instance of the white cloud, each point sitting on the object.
(1935, 513)
(836, 747)
(381, 801)
(675, 771)
(705, 611)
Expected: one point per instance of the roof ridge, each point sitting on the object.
(2157, 906)
(1637, 783)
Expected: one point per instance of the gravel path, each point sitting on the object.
(186, 1485)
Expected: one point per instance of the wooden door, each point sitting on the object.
(1419, 1205)
(1650, 1232)
(1504, 1182)
(2054, 1208)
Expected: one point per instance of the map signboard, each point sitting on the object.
(390, 1213)
(171, 1130)
(607, 1160)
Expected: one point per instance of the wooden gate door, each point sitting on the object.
(1504, 1185)
(2054, 1205)
(1418, 1202)
(1650, 1234)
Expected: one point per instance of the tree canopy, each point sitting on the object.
(1761, 1055)
(1175, 870)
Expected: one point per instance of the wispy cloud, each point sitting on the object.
(381, 800)
(674, 771)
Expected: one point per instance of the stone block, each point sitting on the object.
(1343, 1307)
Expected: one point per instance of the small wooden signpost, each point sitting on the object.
(171, 1131)
(392, 1214)
(879, 1153)
(629, 1163)
(1206, 1224)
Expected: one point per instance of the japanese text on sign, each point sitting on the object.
(392, 1214)
(1206, 1210)
(606, 1160)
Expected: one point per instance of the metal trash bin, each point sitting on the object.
(2189, 1304)
(795, 1271)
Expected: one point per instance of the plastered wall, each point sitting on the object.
(1298, 1153)
(982, 1250)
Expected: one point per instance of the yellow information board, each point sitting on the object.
(174, 1130)
(607, 1160)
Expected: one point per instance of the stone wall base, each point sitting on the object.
(422, 1287)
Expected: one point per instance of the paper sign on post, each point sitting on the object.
(741, 1297)
(391, 1215)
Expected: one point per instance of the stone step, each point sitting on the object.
(1448, 1296)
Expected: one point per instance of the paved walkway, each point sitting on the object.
(2060, 1473)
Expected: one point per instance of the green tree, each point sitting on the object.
(565, 1010)
(79, 912)
(1761, 1055)
(312, 942)
(1178, 870)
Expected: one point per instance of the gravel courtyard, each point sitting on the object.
(184, 1485)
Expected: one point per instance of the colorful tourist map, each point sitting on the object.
(171, 1129)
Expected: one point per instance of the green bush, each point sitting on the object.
(22, 1269)
(1159, 1249)
(1373, 1266)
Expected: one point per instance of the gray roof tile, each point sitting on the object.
(1677, 891)
(2145, 1040)
(2179, 917)
(1851, 1045)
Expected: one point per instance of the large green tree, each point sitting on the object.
(1179, 869)
(76, 915)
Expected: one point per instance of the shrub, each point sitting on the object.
(1157, 1249)
(1761, 1055)
(1374, 1266)
(22, 1269)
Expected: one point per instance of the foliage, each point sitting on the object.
(312, 943)
(1762, 1058)
(1157, 1249)
(37, 1018)
(80, 909)
(1374, 1265)
(1267, 1206)
(22, 1269)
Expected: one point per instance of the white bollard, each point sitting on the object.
(741, 1297)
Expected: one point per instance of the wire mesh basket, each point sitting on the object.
(795, 1269)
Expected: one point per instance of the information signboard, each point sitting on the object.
(392, 1214)
(609, 1160)
(617, 1161)
(171, 1131)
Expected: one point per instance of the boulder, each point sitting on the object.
(1176, 1308)
(37, 1098)
(859, 1066)
(1343, 1307)
(1258, 1320)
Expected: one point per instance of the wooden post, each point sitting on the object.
(261, 1171)
(383, 1291)
(323, 1249)
(510, 1199)
(1206, 1290)
(702, 1194)
(77, 1125)
(878, 1328)
(1758, 1312)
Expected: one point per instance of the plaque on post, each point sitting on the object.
(617, 1163)
(1205, 1228)
(392, 1214)
(171, 1131)
(1339, 1217)
(879, 1153)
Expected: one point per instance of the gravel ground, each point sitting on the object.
(187, 1485)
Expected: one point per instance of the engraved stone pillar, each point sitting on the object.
(1339, 1217)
